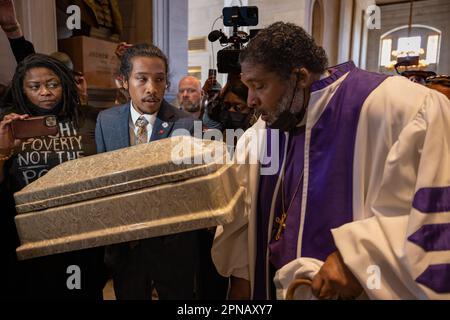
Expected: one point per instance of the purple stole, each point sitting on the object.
(330, 185)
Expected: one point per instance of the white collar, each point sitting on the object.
(151, 118)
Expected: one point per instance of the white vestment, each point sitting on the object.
(400, 199)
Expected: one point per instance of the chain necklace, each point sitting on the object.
(281, 221)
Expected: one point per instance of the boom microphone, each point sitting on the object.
(215, 35)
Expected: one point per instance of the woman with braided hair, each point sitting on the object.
(43, 86)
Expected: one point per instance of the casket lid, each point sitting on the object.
(141, 166)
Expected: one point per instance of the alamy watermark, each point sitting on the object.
(373, 17)
(373, 281)
(256, 146)
(74, 280)
(74, 20)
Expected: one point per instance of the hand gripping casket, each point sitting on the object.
(164, 187)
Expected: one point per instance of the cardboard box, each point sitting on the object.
(95, 58)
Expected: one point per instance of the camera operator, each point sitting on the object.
(228, 109)
(211, 89)
(225, 108)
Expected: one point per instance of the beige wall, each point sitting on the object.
(201, 15)
(284, 10)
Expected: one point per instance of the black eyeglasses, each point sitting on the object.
(236, 107)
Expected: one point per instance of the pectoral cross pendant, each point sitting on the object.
(281, 225)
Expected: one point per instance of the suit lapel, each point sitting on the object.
(122, 134)
(163, 123)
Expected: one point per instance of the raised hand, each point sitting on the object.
(8, 16)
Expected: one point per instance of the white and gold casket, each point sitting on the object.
(164, 187)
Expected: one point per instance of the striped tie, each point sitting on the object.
(141, 135)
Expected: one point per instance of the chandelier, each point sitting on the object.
(410, 54)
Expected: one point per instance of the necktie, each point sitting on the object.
(141, 135)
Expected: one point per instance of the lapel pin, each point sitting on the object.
(165, 125)
(161, 131)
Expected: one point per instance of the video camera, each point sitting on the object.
(228, 58)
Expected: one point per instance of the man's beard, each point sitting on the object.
(292, 101)
(190, 107)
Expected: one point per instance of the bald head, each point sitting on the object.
(190, 94)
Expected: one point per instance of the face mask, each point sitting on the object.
(237, 120)
(287, 120)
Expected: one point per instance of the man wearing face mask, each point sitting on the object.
(361, 170)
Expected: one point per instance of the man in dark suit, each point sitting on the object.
(167, 263)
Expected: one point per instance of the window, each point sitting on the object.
(421, 40)
(386, 48)
(432, 49)
(406, 44)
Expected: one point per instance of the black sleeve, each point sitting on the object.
(21, 48)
